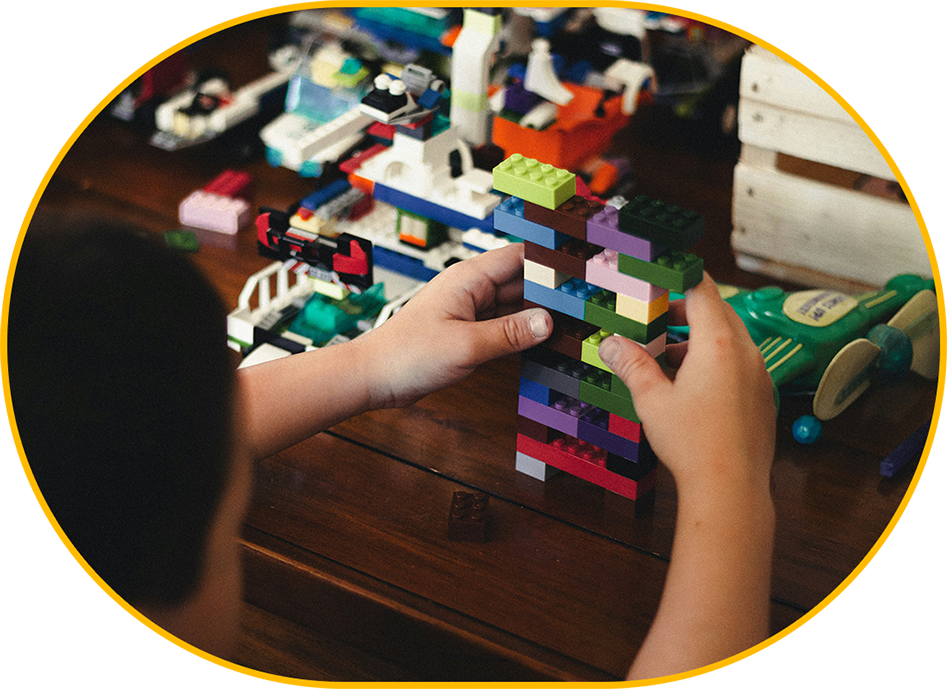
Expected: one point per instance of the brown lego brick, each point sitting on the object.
(569, 218)
(569, 258)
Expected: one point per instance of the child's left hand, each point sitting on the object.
(465, 316)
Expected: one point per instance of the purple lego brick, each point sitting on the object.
(548, 416)
(602, 438)
(602, 230)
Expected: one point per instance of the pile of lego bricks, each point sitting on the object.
(600, 270)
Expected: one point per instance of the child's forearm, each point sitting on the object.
(716, 597)
(290, 399)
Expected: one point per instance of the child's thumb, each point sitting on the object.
(510, 334)
(632, 363)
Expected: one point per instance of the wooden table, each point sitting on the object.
(350, 574)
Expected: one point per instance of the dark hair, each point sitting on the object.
(122, 396)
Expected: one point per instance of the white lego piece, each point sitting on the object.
(541, 76)
(542, 275)
(533, 467)
(540, 116)
(245, 103)
(631, 75)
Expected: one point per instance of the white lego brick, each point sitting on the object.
(539, 274)
(533, 467)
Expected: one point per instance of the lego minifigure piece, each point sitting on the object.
(675, 270)
(569, 218)
(541, 76)
(467, 520)
(661, 222)
(530, 180)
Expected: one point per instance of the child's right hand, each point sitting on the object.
(713, 426)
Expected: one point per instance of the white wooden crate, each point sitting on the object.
(792, 226)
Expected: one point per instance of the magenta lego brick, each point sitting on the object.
(602, 230)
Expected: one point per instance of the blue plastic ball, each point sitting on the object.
(807, 429)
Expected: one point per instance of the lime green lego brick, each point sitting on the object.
(600, 311)
(675, 270)
(181, 240)
(590, 349)
(532, 181)
(472, 102)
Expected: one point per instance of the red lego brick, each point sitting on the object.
(626, 428)
(231, 183)
(569, 218)
(467, 520)
(584, 469)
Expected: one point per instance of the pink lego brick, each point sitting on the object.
(602, 271)
(214, 212)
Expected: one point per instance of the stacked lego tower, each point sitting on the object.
(599, 270)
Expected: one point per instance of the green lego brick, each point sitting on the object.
(600, 311)
(181, 240)
(660, 222)
(675, 270)
(532, 181)
(595, 388)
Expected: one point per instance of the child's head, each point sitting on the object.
(123, 397)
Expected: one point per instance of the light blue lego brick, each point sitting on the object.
(508, 218)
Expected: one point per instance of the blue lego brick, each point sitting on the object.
(430, 210)
(569, 298)
(534, 391)
(508, 218)
(321, 196)
(401, 264)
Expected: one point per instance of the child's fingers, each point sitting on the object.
(636, 368)
(507, 335)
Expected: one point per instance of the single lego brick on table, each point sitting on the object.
(675, 270)
(508, 218)
(467, 519)
(208, 211)
(660, 222)
(600, 310)
(602, 230)
(231, 183)
(533, 181)
(602, 271)
(569, 258)
(181, 240)
(569, 218)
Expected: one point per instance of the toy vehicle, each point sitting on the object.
(837, 343)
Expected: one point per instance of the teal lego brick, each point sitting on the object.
(660, 222)
(675, 270)
(600, 311)
(532, 181)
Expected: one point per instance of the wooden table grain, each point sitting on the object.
(345, 543)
